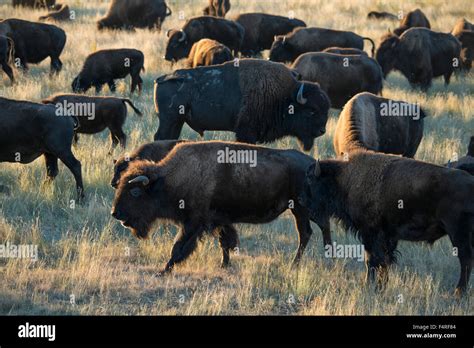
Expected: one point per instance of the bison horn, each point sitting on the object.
(284, 39)
(299, 97)
(140, 179)
(168, 32)
(183, 36)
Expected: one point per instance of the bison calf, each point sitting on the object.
(29, 130)
(208, 52)
(369, 122)
(94, 114)
(103, 67)
(340, 76)
(385, 199)
(199, 187)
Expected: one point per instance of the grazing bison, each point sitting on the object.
(222, 30)
(61, 14)
(349, 74)
(130, 14)
(208, 52)
(345, 51)
(262, 102)
(215, 190)
(386, 198)
(261, 29)
(415, 18)
(217, 8)
(34, 3)
(465, 163)
(420, 55)
(29, 130)
(301, 40)
(369, 122)
(94, 114)
(34, 42)
(464, 32)
(103, 67)
(381, 15)
(6, 52)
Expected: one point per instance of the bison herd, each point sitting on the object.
(374, 186)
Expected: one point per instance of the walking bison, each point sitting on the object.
(369, 122)
(386, 198)
(262, 102)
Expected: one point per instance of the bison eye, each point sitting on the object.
(136, 192)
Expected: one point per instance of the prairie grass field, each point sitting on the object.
(88, 264)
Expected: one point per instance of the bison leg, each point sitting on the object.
(75, 167)
(379, 254)
(119, 135)
(75, 139)
(136, 81)
(8, 70)
(169, 130)
(228, 240)
(98, 87)
(447, 77)
(304, 232)
(460, 234)
(185, 243)
(51, 162)
(56, 65)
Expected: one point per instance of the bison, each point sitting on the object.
(29, 130)
(465, 163)
(420, 55)
(208, 52)
(130, 14)
(261, 29)
(34, 3)
(415, 18)
(205, 185)
(349, 74)
(222, 30)
(381, 15)
(94, 114)
(6, 56)
(104, 66)
(34, 42)
(386, 198)
(345, 51)
(464, 32)
(369, 122)
(217, 8)
(263, 101)
(301, 40)
(61, 14)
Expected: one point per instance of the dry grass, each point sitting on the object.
(83, 252)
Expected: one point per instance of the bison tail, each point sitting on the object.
(129, 102)
(168, 11)
(373, 45)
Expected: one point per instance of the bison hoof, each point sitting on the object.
(163, 272)
(459, 293)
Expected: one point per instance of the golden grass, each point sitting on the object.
(85, 253)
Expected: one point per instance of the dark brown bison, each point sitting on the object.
(464, 32)
(301, 40)
(94, 114)
(465, 163)
(105, 66)
(369, 122)
(29, 130)
(415, 18)
(199, 187)
(34, 42)
(349, 74)
(381, 15)
(260, 101)
(34, 3)
(420, 55)
(6, 56)
(59, 15)
(130, 14)
(386, 198)
(217, 8)
(208, 52)
(345, 51)
(261, 29)
(222, 30)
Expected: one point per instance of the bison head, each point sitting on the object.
(137, 198)
(281, 50)
(308, 121)
(178, 46)
(79, 85)
(386, 54)
(120, 165)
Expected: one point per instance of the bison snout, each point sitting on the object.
(117, 214)
(322, 131)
